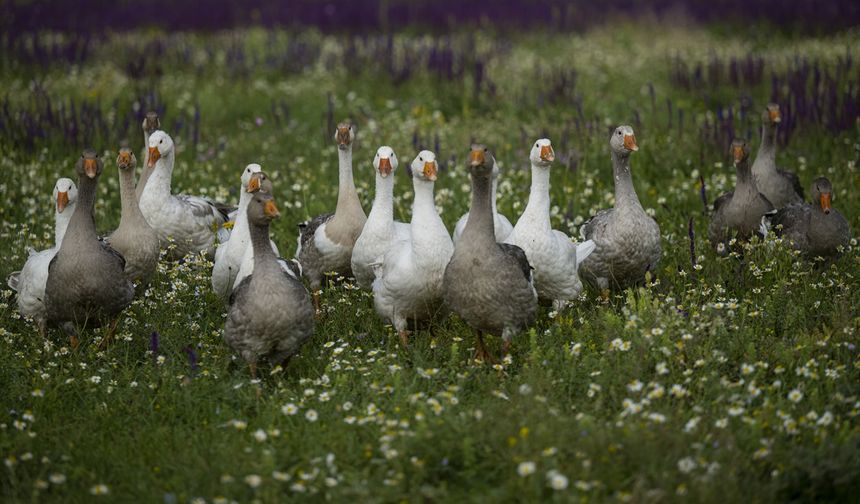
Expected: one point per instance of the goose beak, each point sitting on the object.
(91, 167)
(154, 155)
(62, 201)
(271, 210)
(254, 183)
(343, 137)
(430, 170)
(630, 143)
(547, 154)
(825, 202)
(775, 116)
(384, 167)
(476, 158)
(738, 154)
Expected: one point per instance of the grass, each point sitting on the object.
(728, 381)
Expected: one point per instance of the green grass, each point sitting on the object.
(716, 350)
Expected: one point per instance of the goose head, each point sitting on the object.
(262, 209)
(151, 122)
(542, 154)
(65, 194)
(126, 160)
(481, 161)
(344, 135)
(740, 151)
(260, 182)
(160, 145)
(822, 193)
(89, 165)
(771, 115)
(623, 141)
(248, 177)
(424, 166)
(385, 161)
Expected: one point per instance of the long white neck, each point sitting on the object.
(383, 201)
(61, 223)
(537, 209)
(424, 206)
(158, 186)
(240, 227)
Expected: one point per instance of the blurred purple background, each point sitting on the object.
(96, 16)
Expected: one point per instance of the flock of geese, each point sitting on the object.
(491, 273)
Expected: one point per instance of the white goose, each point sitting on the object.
(408, 285)
(553, 256)
(191, 222)
(31, 280)
(229, 254)
(380, 231)
(501, 225)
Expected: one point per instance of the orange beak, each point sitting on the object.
(547, 154)
(477, 158)
(154, 156)
(343, 137)
(825, 202)
(775, 116)
(630, 143)
(430, 170)
(91, 167)
(271, 210)
(254, 183)
(384, 167)
(62, 200)
(738, 154)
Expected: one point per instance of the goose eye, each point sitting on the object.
(486, 150)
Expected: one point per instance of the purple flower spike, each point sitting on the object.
(153, 343)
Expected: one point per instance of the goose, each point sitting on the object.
(380, 231)
(502, 227)
(488, 283)
(627, 240)
(30, 282)
(229, 254)
(553, 256)
(270, 313)
(408, 284)
(86, 285)
(779, 186)
(190, 222)
(326, 241)
(743, 212)
(817, 229)
(151, 124)
(134, 239)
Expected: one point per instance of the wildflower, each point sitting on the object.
(795, 396)
(556, 480)
(825, 420)
(347, 406)
(253, 481)
(57, 478)
(260, 435)
(747, 369)
(692, 424)
(525, 389)
(722, 423)
(526, 469)
(99, 489)
(736, 410)
(280, 476)
(686, 465)
(289, 409)
(634, 386)
(95, 379)
(311, 415)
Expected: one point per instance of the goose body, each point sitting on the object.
(817, 229)
(408, 284)
(742, 213)
(86, 285)
(30, 282)
(270, 314)
(327, 240)
(380, 231)
(134, 239)
(488, 283)
(191, 223)
(627, 240)
(780, 187)
(502, 227)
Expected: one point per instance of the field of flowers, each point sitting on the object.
(725, 380)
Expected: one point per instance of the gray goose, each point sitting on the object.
(488, 284)
(134, 238)
(627, 240)
(270, 313)
(815, 229)
(743, 212)
(327, 240)
(151, 124)
(87, 285)
(779, 186)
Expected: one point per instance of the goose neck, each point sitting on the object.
(625, 193)
(480, 228)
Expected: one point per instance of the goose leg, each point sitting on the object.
(109, 334)
(404, 337)
(507, 337)
(253, 367)
(286, 362)
(481, 352)
(72, 331)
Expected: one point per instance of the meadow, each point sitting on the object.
(722, 380)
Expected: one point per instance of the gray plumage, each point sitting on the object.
(627, 240)
(270, 314)
(486, 283)
(815, 229)
(151, 124)
(743, 212)
(780, 187)
(86, 284)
